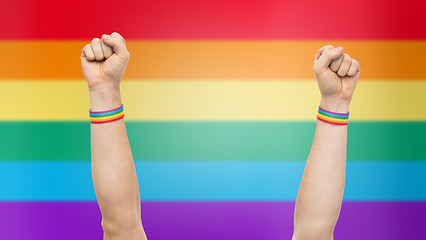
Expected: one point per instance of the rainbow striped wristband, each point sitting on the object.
(332, 117)
(107, 116)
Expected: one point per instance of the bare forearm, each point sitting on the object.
(323, 182)
(104, 62)
(113, 169)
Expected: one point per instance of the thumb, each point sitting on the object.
(329, 54)
(118, 44)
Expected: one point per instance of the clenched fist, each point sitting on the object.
(337, 75)
(104, 62)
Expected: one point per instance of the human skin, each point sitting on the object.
(321, 189)
(113, 171)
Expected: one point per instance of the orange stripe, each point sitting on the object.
(332, 119)
(215, 60)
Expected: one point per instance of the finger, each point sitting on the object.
(97, 49)
(353, 79)
(344, 67)
(320, 52)
(354, 68)
(106, 49)
(118, 44)
(88, 53)
(327, 56)
(82, 52)
(335, 64)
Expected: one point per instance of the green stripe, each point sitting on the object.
(101, 115)
(212, 140)
(332, 116)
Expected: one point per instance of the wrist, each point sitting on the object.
(337, 106)
(105, 99)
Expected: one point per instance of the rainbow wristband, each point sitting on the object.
(332, 117)
(107, 116)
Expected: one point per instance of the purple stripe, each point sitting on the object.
(107, 111)
(342, 114)
(210, 220)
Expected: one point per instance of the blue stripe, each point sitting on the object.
(346, 116)
(107, 113)
(211, 181)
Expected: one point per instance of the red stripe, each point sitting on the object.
(108, 121)
(330, 122)
(215, 19)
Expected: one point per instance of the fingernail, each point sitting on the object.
(338, 49)
(105, 36)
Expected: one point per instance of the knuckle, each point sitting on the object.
(329, 53)
(126, 54)
(334, 67)
(99, 56)
(95, 40)
(316, 68)
(89, 55)
(346, 58)
(357, 65)
(326, 52)
(85, 48)
(118, 36)
(114, 35)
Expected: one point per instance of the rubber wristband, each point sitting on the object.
(332, 117)
(106, 116)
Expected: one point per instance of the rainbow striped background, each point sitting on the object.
(220, 104)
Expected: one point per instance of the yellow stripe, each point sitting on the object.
(332, 119)
(107, 118)
(211, 100)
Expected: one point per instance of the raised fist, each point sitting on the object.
(104, 62)
(337, 75)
